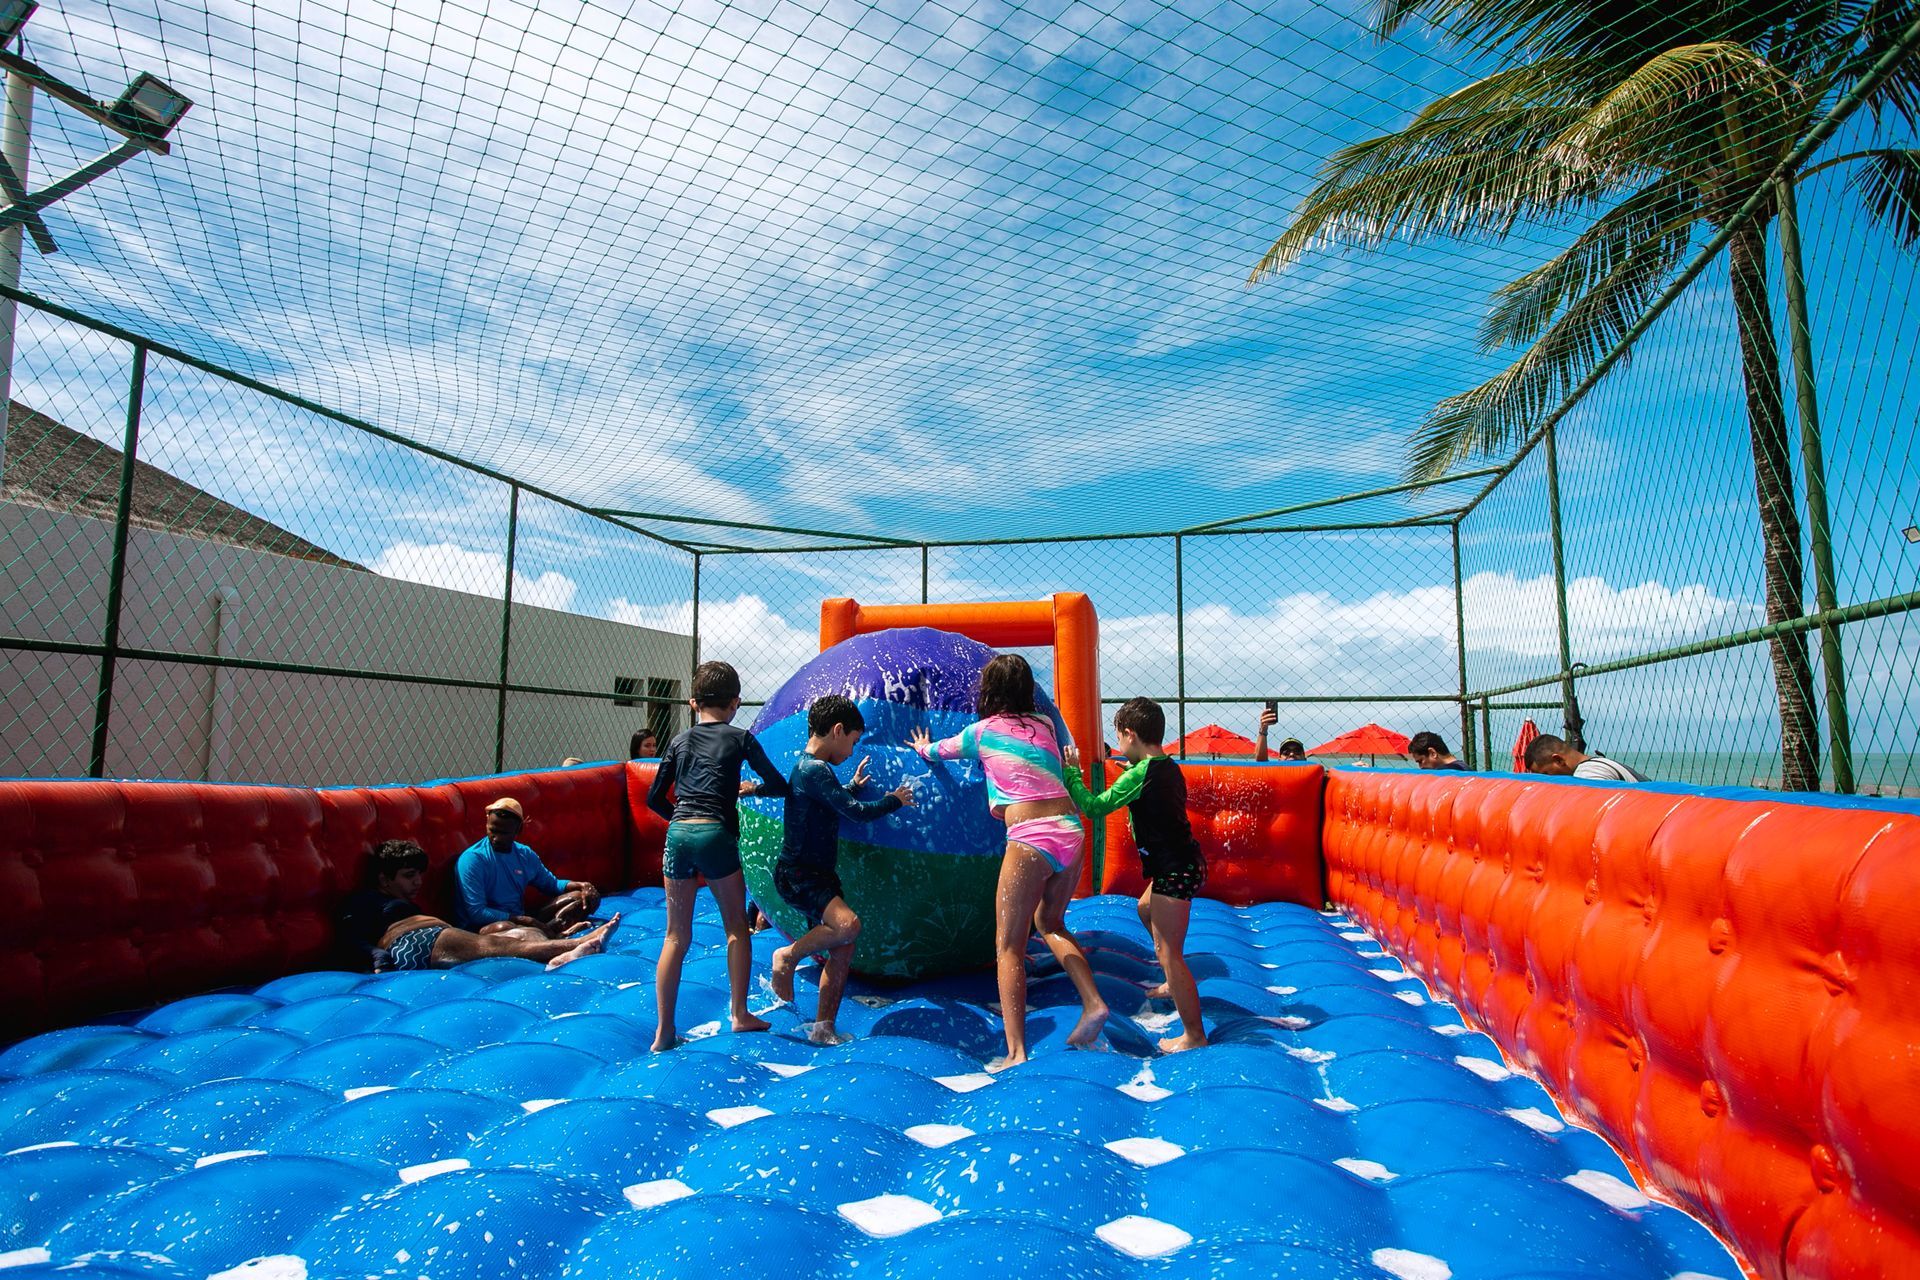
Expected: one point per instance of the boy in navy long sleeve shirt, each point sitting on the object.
(807, 875)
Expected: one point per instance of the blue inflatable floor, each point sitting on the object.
(501, 1121)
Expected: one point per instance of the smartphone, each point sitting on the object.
(1273, 707)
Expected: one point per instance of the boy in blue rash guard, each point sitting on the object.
(701, 767)
(807, 874)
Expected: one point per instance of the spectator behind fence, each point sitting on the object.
(495, 872)
(1429, 751)
(644, 745)
(1291, 749)
(387, 929)
(1556, 758)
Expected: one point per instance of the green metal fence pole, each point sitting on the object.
(1813, 463)
(1570, 714)
(1486, 730)
(1180, 634)
(923, 573)
(696, 610)
(1460, 649)
(117, 569)
(506, 630)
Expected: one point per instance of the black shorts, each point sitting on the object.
(807, 890)
(1179, 876)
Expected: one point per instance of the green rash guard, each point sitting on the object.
(1124, 791)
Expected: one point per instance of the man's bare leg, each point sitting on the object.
(457, 946)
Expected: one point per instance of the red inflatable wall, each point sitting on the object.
(123, 894)
(1258, 825)
(1729, 989)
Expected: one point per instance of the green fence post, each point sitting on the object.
(1180, 634)
(1813, 463)
(1569, 713)
(696, 611)
(506, 630)
(1460, 648)
(117, 569)
(1486, 730)
(923, 573)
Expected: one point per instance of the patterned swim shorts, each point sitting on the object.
(414, 948)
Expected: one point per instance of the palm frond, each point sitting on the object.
(1889, 187)
(1496, 415)
(1663, 116)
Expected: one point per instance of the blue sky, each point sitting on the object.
(926, 270)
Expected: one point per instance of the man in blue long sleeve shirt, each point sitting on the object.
(807, 875)
(495, 873)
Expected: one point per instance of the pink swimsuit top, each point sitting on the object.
(1019, 754)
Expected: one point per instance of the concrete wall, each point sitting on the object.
(173, 720)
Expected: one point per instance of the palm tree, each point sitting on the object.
(1641, 124)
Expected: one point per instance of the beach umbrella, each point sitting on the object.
(1212, 740)
(1528, 732)
(1368, 740)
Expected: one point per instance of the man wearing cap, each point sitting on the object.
(496, 872)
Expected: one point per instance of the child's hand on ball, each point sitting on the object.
(920, 739)
(860, 775)
(904, 794)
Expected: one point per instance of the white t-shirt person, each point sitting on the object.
(1601, 769)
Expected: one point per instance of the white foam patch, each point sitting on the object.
(1291, 1021)
(965, 1083)
(1315, 1056)
(1284, 991)
(28, 1257)
(1455, 1029)
(533, 1106)
(1374, 955)
(1536, 1119)
(1410, 997)
(1393, 975)
(938, 1135)
(1485, 1068)
(704, 1030)
(645, 1195)
(433, 1168)
(1607, 1189)
(1144, 1090)
(1155, 1022)
(1357, 936)
(276, 1266)
(364, 1091)
(1143, 1237)
(1335, 1104)
(728, 1117)
(221, 1157)
(889, 1215)
(788, 1070)
(1372, 1170)
(1408, 1265)
(1146, 1152)
(42, 1146)
(628, 986)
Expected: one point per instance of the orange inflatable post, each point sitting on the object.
(1067, 622)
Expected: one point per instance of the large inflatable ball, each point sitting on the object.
(921, 879)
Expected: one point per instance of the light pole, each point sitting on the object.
(142, 116)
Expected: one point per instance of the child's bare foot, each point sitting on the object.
(1087, 1030)
(1179, 1044)
(1001, 1064)
(1159, 992)
(589, 944)
(662, 1043)
(826, 1034)
(747, 1022)
(782, 977)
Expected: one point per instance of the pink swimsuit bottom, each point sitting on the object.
(1057, 838)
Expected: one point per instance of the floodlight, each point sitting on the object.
(1911, 533)
(13, 16)
(150, 106)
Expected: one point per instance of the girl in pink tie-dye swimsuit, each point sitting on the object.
(1020, 754)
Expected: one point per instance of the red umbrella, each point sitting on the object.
(1368, 740)
(1212, 740)
(1528, 732)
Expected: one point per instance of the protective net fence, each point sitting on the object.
(464, 377)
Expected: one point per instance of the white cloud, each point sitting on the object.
(762, 645)
(478, 573)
